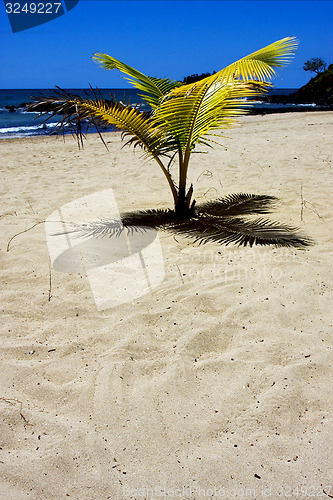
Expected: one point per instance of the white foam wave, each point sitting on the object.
(28, 112)
(21, 111)
(23, 131)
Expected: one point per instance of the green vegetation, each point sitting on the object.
(196, 78)
(316, 65)
(186, 117)
(319, 89)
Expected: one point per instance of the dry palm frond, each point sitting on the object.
(78, 114)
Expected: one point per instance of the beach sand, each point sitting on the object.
(215, 384)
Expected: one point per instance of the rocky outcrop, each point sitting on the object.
(319, 90)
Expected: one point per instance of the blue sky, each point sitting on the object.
(160, 38)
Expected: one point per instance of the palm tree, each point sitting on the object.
(183, 118)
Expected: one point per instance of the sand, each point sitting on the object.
(215, 384)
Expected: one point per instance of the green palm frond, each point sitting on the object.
(191, 111)
(189, 115)
(154, 88)
(130, 120)
(257, 67)
(143, 131)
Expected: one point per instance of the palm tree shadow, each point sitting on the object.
(225, 220)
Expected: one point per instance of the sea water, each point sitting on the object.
(17, 122)
(22, 123)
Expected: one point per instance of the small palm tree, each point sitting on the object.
(183, 118)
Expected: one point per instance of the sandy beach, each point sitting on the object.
(217, 383)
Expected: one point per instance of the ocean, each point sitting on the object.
(15, 121)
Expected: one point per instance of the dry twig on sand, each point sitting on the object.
(10, 400)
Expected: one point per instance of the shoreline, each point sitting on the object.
(251, 112)
(290, 109)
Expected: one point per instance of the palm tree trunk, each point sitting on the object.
(182, 206)
(169, 179)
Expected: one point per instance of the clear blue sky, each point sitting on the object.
(161, 38)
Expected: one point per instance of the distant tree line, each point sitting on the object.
(196, 77)
(316, 65)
